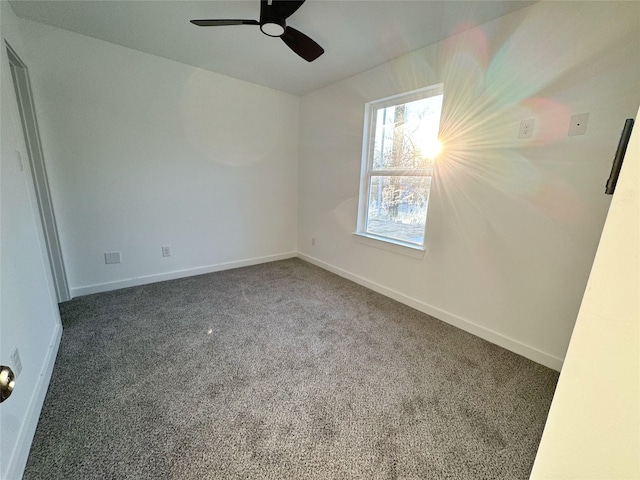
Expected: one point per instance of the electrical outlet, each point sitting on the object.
(15, 359)
(166, 251)
(112, 257)
(526, 128)
(578, 125)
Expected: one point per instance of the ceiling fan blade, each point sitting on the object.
(218, 23)
(286, 8)
(301, 44)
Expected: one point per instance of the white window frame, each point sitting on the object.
(367, 172)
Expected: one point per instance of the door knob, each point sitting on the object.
(7, 382)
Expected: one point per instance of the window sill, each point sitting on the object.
(395, 246)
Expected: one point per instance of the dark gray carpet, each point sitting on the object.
(281, 371)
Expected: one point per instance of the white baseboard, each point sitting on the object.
(18, 460)
(496, 338)
(189, 272)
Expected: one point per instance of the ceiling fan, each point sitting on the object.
(273, 15)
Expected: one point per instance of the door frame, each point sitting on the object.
(29, 124)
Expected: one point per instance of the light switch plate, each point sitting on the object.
(17, 363)
(578, 125)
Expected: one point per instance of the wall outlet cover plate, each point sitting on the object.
(526, 128)
(112, 257)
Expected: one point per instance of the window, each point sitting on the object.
(400, 144)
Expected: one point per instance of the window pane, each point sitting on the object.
(397, 207)
(401, 145)
(406, 135)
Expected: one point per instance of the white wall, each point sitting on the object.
(513, 224)
(593, 429)
(144, 152)
(29, 318)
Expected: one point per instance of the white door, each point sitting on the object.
(30, 326)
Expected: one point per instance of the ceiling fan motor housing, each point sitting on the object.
(273, 29)
(271, 23)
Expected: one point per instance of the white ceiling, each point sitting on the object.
(356, 34)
